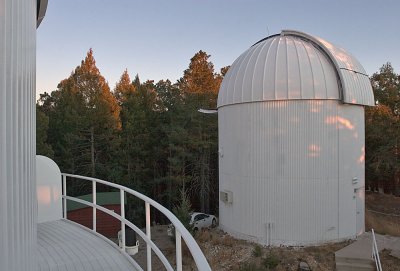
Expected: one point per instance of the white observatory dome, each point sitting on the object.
(291, 142)
(293, 65)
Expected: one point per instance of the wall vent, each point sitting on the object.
(226, 196)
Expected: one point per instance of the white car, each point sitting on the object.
(198, 221)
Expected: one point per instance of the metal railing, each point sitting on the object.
(375, 253)
(180, 230)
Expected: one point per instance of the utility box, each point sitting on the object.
(226, 196)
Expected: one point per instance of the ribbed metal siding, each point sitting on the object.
(295, 65)
(280, 68)
(357, 88)
(17, 135)
(356, 85)
(343, 59)
(351, 165)
(281, 161)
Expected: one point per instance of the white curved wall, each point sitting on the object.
(290, 166)
(17, 135)
(49, 190)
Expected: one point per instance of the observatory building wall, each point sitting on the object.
(291, 142)
(295, 170)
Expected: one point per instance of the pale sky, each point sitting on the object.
(156, 39)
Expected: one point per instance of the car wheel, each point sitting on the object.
(214, 223)
(195, 230)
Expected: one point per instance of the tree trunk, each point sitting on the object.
(203, 182)
(169, 182)
(207, 175)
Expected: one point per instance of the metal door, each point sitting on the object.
(359, 193)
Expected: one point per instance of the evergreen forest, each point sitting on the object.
(149, 136)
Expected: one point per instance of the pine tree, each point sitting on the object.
(199, 77)
(124, 88)
(386, 85)
(138, 137)
(382, 131)
(200, 85)
(42, 126)
(174, 139)
(83, 120)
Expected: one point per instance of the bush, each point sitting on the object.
(257, 251)
(250, 266)
(271, 261)
(182, 212)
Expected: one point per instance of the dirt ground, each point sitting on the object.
(225, 253)
(389, 263)
(382, 213)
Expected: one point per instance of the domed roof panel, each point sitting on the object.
(343, 59)
(279, 68)
(356, 86)
(294, 65)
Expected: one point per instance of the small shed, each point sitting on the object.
(106, 224)
(291, 142)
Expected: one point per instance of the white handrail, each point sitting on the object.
(375, 252)
(192, 245)
(157, 251)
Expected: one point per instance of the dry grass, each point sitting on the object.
(382, 224)
(224, 253)
(216, 237)
(389, 263)
(204, 236)
(382, 203)
(288, 258)
(226, 240)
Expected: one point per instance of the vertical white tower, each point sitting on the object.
(18, 21)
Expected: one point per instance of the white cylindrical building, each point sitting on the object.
(18, 204)
(291, 142)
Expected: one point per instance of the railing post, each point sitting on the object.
(122, 200)
(375, 252)
(94, 207)
(178, 242)
(148, 233)
(373, 244)
(64, 184)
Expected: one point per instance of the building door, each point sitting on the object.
(359, 193)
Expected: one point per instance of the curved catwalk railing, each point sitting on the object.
(180, 231)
